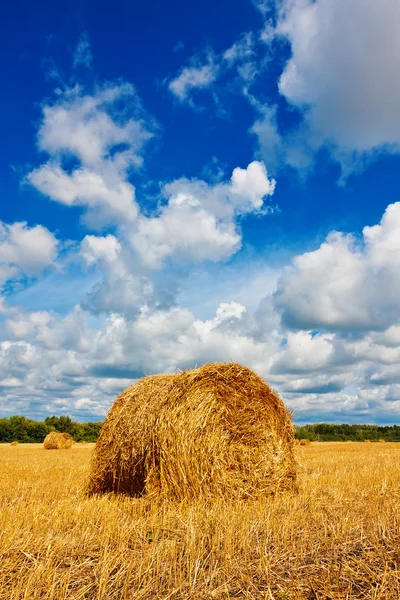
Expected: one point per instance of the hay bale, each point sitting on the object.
(57, 441)
(381, 441)
(218, 430)
(14, 443)
(305, 442)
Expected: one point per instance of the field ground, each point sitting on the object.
(338, 537)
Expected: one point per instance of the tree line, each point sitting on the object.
(24, 430)
(21, 429)
(326, 432)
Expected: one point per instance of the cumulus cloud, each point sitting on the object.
(25, 250)
(108, 197)
(328, 337)
(339, 79)
(62, 361)
(20, 326)
(195, 222)
(90, 126)
(199, 221)
(105, 140)
(123, 288)
(346, 283)
(341, 73)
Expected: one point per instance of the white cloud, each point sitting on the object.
(25, 250)
(342, 72)
(62, 362)
(293, 148)
(193, 78)
(303, 352)
(20, 326)
(199, 222)
(123, 288)
(101, 249)
(243, 49)
(90, 126)
(108, 197)
(345, 283)
(58, 372)
(250, 186)
(203, 74)
(335, 350)
(105, 133)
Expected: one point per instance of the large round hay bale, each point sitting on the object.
(14, 443)
(305, 442)
(58, 441)
(218, 430)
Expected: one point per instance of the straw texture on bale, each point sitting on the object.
(218, 430)
(58, 441)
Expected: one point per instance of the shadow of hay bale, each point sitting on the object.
(58, 441)
(218, 430)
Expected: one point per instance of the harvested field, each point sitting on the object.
(337, 538)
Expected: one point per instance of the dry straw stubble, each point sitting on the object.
(215, 431)
(58, 441)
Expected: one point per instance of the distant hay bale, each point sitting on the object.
(218, 430)
(296, 442)
(367, 441)
(381, 441)
(83, 442)
(14, 443)
(57, 441)
(305, 442)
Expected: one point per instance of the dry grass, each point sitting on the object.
(337, 538)
(215, 431)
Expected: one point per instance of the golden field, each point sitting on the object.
(338, 537)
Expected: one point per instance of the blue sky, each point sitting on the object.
(191, 183)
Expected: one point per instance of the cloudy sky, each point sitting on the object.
(193, 182)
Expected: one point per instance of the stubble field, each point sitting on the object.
(338, 537)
